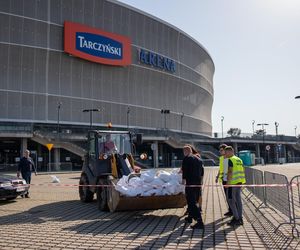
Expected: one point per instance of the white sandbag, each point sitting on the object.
(122, 189)
(157, 183)
(123, 181)
(149, 192)
(148, 175)
(171, 188)
(176, 176)
(151, 183)
(147, 187)
(55, 179)
(133, 192)
(164, 175)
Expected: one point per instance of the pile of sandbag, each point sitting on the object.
(151, 182)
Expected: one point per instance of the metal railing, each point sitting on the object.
(255, 177)
(278, 197)
(295, 200)
(285, 197)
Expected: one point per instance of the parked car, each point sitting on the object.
(11, 187)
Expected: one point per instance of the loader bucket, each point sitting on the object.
(116, 202)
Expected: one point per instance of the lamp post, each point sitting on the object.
(263, 135)
(295, 131)
(253, 122)
(127, 116)
(222, 119)
(181, 118)
(91, 114)
(277, 148)
(165, 112)
(58, 118)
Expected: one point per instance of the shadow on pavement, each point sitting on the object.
(131, 225)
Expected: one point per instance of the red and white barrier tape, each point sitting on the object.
(156, 186)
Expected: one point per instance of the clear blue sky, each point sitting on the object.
(255, 45)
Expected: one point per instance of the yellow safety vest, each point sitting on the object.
(221, 170)
(238, 172)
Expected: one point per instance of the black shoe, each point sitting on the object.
(198, 225)
(233, 222)
(22, 195)
(228, 214)
(27, 196)
(188, 219)
(240, 222)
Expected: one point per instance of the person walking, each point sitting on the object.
(26, 167)
(222, 174)
(192, 169)
(235, 176)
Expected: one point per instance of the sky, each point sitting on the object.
(255, 48)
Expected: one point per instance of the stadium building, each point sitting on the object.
(137, 72)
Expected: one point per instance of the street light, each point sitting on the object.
(253, 122)
(165, 112)
(263, 135)
(222, 119)
(91, 114)
(277, 148)
(181, 118)
(128, 111)
(58, 118)
(296, 131)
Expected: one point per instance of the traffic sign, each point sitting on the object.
(49, 146)
(268, 147)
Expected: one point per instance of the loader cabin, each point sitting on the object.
(105, 145)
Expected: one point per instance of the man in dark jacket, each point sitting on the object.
(192, 172)
(26, 167)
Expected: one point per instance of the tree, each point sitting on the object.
(234, 131)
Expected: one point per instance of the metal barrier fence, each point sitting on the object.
(249, 179)
(295, 200)
(255, 177)
(259, 192)
(285, 199)
(278, 197)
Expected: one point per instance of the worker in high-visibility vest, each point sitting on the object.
(222, 174)
(235, 176)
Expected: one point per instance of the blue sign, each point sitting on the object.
(100, 46)
(157, 61)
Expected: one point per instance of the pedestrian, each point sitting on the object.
(26, 167)
(197, 154)
(235, 176)
(222, 174)
(192, 170)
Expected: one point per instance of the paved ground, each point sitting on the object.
(54, 218)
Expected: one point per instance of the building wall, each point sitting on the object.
(35, 72)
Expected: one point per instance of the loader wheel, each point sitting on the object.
(85, 194)
(102, 195)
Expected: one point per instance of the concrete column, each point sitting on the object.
(155, 153)
(23, 145)
(257, 151)
(235, 147)
(56, 159)
(284, 153)
(293, 154)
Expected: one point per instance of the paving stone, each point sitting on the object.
(54, 218)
